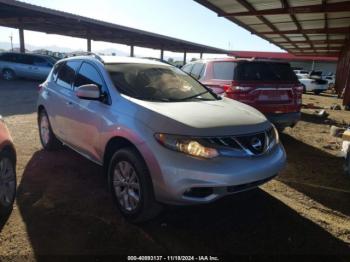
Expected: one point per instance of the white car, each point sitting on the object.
(331, 81)
(301, 72)
(312, 85)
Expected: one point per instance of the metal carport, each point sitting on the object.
(301, 27)
(25, 16)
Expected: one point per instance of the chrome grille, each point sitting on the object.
(252, 144)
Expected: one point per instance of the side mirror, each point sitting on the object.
(88, 92)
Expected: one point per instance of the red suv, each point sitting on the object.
(271, 87)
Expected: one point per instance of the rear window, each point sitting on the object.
(223, 70)
(264, 71)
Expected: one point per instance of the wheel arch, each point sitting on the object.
(114, 144)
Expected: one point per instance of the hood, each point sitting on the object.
(201, 118)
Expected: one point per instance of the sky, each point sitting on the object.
(184, 19)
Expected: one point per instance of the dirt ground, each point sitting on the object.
(63, 206)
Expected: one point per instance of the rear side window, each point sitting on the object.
(66, 74)
(223, 70)
(187, 68)
(88, 75)
(197, 70)
(264, 71)
(56, 70)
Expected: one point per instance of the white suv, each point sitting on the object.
(161, 135)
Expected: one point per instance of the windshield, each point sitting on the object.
(156, 83)
(265, 71)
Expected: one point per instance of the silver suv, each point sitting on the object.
(161, 135)
(15, 65)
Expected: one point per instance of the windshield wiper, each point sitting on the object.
(194, 96)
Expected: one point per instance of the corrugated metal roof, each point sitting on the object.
(298, 26)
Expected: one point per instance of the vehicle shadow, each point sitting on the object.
(316, 174)
(18, 97)
(65, 205)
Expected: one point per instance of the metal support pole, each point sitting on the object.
(201, 55)
(22, 47)
(131, 51)
(162, 54)
(185, 58)
(89, 45)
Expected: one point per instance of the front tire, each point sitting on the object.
(131, 186)
(47, 137)
(317, 92)
(7, 183)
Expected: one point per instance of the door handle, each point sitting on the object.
(69, 103)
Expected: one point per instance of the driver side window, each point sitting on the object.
(88, 75)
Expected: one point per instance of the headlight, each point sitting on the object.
(187, 145)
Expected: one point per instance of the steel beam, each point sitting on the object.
(21, 41)
(162, 54)
(132, 51)
(89, 45)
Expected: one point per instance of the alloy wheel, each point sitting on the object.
(126, 186)
(44, 129)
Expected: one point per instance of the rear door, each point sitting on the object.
(60, 94)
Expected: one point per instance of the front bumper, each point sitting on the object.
(178, 175)
(285, 119)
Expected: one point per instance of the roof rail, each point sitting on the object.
(83, 53)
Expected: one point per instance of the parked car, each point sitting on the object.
(7, 170)
(17, 65)
(301, 72)
(313, 83)
(330, 80)
(162, 136)
(270, 87)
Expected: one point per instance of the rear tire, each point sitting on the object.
(47, 137)
(131, 186)
(7, 183)
(8, 74)
(317, 92)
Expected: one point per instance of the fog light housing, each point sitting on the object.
(199, 192)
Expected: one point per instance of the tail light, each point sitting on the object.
(299, 88)
(299, 91)
(234, 88)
